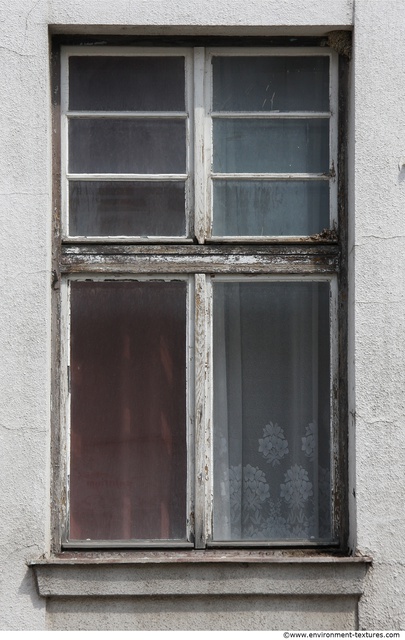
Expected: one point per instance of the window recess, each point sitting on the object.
(200, 327)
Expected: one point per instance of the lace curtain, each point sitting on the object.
(271, 411)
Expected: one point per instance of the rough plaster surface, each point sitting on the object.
(378, 205)
(202, 579)
(212, 13)
(191, 613)
(24, 296)
(377, 325)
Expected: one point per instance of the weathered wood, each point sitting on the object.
(290, 259)
(57, 493)
(199, 149)
(201, 348)
(346, 423)
(200, 263)
(318, 246)
(321, 242)
(322, 255)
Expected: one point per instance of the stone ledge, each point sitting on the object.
(200, 574)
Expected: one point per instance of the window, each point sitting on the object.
(200, 268)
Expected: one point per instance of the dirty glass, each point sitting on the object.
(270, 207)
(271, 411)
(115, 145)
(275, 146)
(126, 83)
(128, 410)
(149, 208)
(271, 83)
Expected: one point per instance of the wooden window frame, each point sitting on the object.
(199, 258)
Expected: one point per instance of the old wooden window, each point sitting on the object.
(200, 289)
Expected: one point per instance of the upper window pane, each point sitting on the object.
(128, 117)
(126, 83)
(271, 83)
(279, 146)
(151, 208)
(270, 207)
(116, 145)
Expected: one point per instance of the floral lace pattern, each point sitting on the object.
(273, 445)
(297, 488)
(264, 509)
(308, 442)
(255, 489)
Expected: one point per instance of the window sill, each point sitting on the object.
(200, 573)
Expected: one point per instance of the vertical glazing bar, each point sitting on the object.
(65, 407)
(209, 433)
(189, 89)
(199, 147)
(333, 135)
(64, 142)
(190, 400)
(202, 365)
(334, 403)
(315, 400)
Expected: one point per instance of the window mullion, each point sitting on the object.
(203, 421)
(65, 414)
(200, 151)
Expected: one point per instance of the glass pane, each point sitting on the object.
(271, 146)
(116, 145)
(126, 83)
(128, 410)
(126, 208)
(271, 411)
(270, 208)
(271, 83)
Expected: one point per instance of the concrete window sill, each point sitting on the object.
(199, 573)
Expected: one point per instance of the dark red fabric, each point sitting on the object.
(128, 410)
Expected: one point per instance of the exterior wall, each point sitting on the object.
(25, 187)
(378, 205)
(229, 613)
(377, 326)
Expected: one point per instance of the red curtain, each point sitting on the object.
(128, 410)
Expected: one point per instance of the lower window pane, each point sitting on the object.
(272, 411)
(270, 208)
(128, 410)
(126, 208)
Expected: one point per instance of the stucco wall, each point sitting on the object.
(378, 207)
(377, 326)
(25, 319)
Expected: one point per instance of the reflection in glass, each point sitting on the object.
(126, 208)
(274, 146)
(128, 410)
(271, 411)
(126, 83)
(271, 83)
(270, 207)
(114, 145)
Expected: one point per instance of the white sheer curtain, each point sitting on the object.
(246, 89)
(271, 410)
